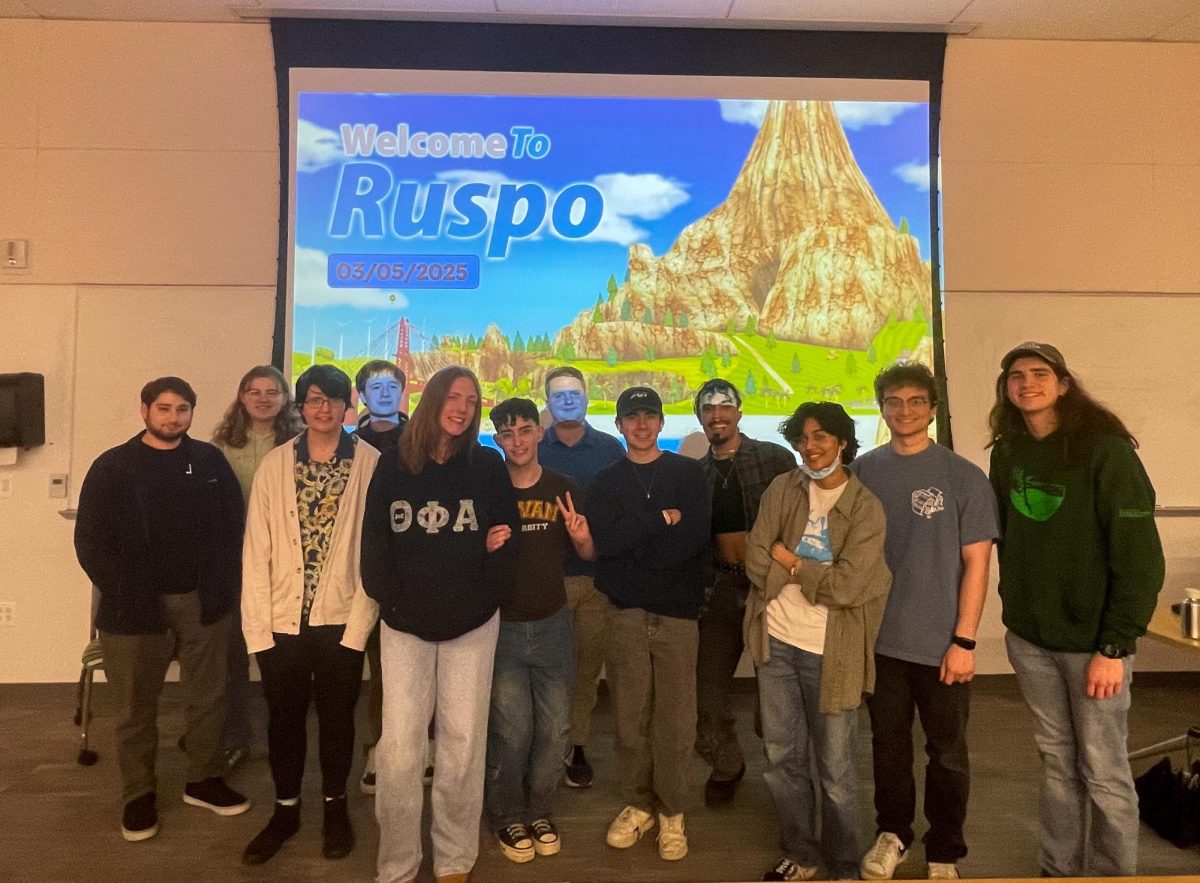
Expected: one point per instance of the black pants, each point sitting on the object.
(901, 687)
(720, 649)
(300, 669)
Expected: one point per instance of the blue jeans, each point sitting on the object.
(789, 695)
(529, 720)
(1088, 806)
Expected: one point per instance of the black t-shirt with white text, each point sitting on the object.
(541, 544)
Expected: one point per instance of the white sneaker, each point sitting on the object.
(628, 827)
(672, 838)
(943, 871)
(881, 859)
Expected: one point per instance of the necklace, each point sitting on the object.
(725, 474)
(653, 475)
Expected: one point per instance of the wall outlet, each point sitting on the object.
(8, 613)
(58, 486)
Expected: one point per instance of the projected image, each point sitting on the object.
(782, 245)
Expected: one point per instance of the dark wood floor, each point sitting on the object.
(60, 821)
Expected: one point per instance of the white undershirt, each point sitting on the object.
(791, 618)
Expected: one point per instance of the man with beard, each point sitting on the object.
(579, 451)
(738, 470)
(159, 533)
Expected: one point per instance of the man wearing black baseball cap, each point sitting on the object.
(650, 525)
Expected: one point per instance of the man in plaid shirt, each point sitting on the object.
(738, 469)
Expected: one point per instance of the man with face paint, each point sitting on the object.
(575, 448)
(738, 470)
(380, 386)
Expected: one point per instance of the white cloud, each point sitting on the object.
(310, 286)
(914, 173)
(317, 148)
(647, 195)
(860, 114)
(740, 111)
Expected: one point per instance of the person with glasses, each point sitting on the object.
(941, 523)
(815, 558)
(258, 420)
(305, 615)
(436, 556)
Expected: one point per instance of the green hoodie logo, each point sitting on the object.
(1034, 499)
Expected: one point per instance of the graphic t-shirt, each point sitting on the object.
(541, 545)
(935, 502)
(319, 488)
(791, 617)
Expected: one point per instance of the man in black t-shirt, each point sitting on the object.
(529, 719)
(159, 533)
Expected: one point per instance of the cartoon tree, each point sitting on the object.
(750, 387)
(648, 317)
(730, 328)
(751, 325)
(567, 351)
(518, 343)
(669, 318)
(650, 353)
(708, 364)
(726, 361)
(627, 311)
(612, 288)
(597, 315)
(611, 358)
(683, 320)
(471, 343)
(851, 364)
(904, 231)
(771, 339)
(795, 363)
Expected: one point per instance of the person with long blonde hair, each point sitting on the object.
(435, 556)
(260, 418)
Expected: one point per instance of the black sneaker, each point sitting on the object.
(545, 837)
(786, 869)
(139, 820)
(285, 822)
(515, 843)
(337, 833)
(214, 794)
(579, 771)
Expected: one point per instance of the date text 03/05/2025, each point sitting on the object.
(408, 270)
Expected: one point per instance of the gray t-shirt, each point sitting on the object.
(936, 502)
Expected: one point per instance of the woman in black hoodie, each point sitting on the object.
(434, 556)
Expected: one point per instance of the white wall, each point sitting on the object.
(1070, 170)
(140, 161)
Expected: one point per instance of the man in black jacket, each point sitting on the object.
(159, 533)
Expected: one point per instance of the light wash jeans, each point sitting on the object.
(1088, 806)
(530, 717)
(789, 699)
(455, 676)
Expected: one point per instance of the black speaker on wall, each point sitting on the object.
(22, 410)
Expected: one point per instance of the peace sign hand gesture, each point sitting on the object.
(577, 527)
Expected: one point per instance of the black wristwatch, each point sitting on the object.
(965, 643)
(1112, 651)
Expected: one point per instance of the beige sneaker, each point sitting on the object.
(628, 827)
(943, 871)
(881, 859)
(672, 838)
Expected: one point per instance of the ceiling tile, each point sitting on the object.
(1075, 19)
(1186, 30)
(916, 12)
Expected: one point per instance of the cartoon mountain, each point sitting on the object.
(801, 244)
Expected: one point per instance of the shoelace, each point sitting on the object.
(542, 828)
(515, 832)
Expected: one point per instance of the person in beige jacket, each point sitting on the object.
(819, 586)
(305, 615)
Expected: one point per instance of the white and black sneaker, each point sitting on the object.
(545, 837)
(786, 869)
(515, 843)
(215, 795)
(881, 859)
(139, 819)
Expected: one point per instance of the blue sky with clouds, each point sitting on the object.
(660, 163)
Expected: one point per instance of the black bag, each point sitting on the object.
(1169, 802)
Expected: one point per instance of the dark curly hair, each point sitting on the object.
(831, 417)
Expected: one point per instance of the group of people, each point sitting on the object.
(493, 590)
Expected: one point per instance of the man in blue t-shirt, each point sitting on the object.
(941, 524)
(579, 451)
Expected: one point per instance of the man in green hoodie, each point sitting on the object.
(1081, 565)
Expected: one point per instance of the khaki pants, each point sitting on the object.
(652, 680)
(135, 666)
(589, 611)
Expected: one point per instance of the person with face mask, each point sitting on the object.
(579, 451)
(815, 557)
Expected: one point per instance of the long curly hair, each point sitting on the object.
(233, 428)
(423, 435)
(1081, 419)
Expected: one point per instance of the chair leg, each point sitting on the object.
(87, 757)
(83, 673)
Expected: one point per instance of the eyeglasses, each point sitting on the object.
(317, 403)
(895, 403)
(262, 393)
(525, 433)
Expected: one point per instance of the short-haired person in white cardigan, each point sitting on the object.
(304, 612)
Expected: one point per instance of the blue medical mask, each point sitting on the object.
(818, 474)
